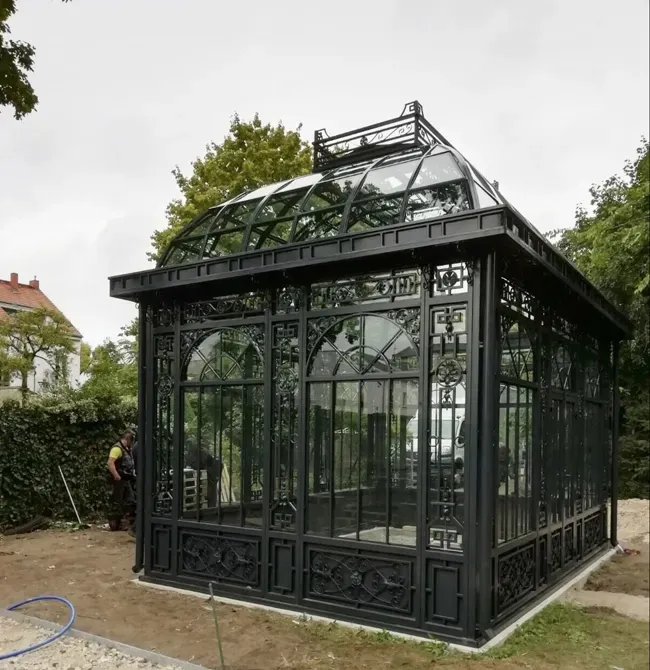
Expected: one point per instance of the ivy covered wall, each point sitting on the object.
(75, 433)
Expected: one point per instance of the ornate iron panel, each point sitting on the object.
(360, 580)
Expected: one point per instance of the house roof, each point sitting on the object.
(27, 296)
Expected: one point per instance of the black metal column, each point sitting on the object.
(472, 450)
(487, 453)
(143, 374)
(614, 464)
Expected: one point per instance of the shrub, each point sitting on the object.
(70, 431)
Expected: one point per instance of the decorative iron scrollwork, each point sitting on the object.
(449, 372)
(556, 551)
(592, 533)
(165, 386)
(516, 576)
(225, 306)
(408, 320)
(164, 346)
(370, 582)
(163, 316)
(360, 290)
(221, 558)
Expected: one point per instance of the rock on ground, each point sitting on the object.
(66, 653)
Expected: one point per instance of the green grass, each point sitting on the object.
(562, 636)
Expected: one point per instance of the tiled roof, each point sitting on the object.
(24, 295)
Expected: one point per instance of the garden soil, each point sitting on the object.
(92, 568)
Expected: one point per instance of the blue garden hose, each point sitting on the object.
(56, 636)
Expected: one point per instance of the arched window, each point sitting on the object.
(223, 427)
(362, 431)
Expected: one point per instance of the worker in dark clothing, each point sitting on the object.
(201, 459)
(121, 475)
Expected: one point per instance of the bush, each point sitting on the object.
(70, 431)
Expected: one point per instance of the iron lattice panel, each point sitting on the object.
(360, 580)
(224, 559)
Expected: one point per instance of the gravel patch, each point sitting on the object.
(66, 653)
(633, 520)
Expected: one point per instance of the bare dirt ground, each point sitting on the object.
(92, 568)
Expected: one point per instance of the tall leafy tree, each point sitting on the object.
(16, 62)
(251, 155)
(28, 336)
(610, 244)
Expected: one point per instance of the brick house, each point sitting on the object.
(15, 297)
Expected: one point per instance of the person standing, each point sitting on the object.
(121, 473)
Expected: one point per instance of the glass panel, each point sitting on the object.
(374, 213)
(514, 496)
(484, 198)
(437, 169)
(366, 344)
(186, 250)
(270, 235)
(223, 454)
(281, 205)
(331, 192)
(237, 214)
(325, 223)
(516, 351)
(386, 180)
(204, 223)
(223, 244)
(319, 465)
(227, 354)
(263, 191)
(446, 486)
(433, 202)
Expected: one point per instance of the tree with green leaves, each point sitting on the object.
(610, 244)
(16, 62)
(113, 369)
(31, 335)
(251, 155)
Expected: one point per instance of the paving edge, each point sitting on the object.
(580, 578)
(125, 649)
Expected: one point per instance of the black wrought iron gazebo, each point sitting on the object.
(375, 393)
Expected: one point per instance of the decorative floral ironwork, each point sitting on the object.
(225, 306)
(449, 372)
(569, 545)
(360, 290)
(163, 316)
(164, 346)
(316, 328)
(592, 533)
(556, 551)
(516, 576)
(165, 386)
(288, 299)
(408, 320)
(365, 581)
(188, 340)
(221, 558)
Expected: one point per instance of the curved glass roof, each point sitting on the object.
(418, 183)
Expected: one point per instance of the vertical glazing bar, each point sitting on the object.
(268, 444)
(360, 408)
(487, 455)
(143, 429)
(199, 453)
(615, 427)
(330, 445)
(302, 454)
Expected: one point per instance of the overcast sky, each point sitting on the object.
(546, 97)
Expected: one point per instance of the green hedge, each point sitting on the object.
(74, 433)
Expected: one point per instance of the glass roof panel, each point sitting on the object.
(319, 224)
(202, 223)
(437, 169)
(331, 192)
(375, 213)
(484, 198)
(223, 244)
(282, 204)
(237, 214)
(387, 179)
(186, 250)
(263, 191)
(270, 235)
(434, 201)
